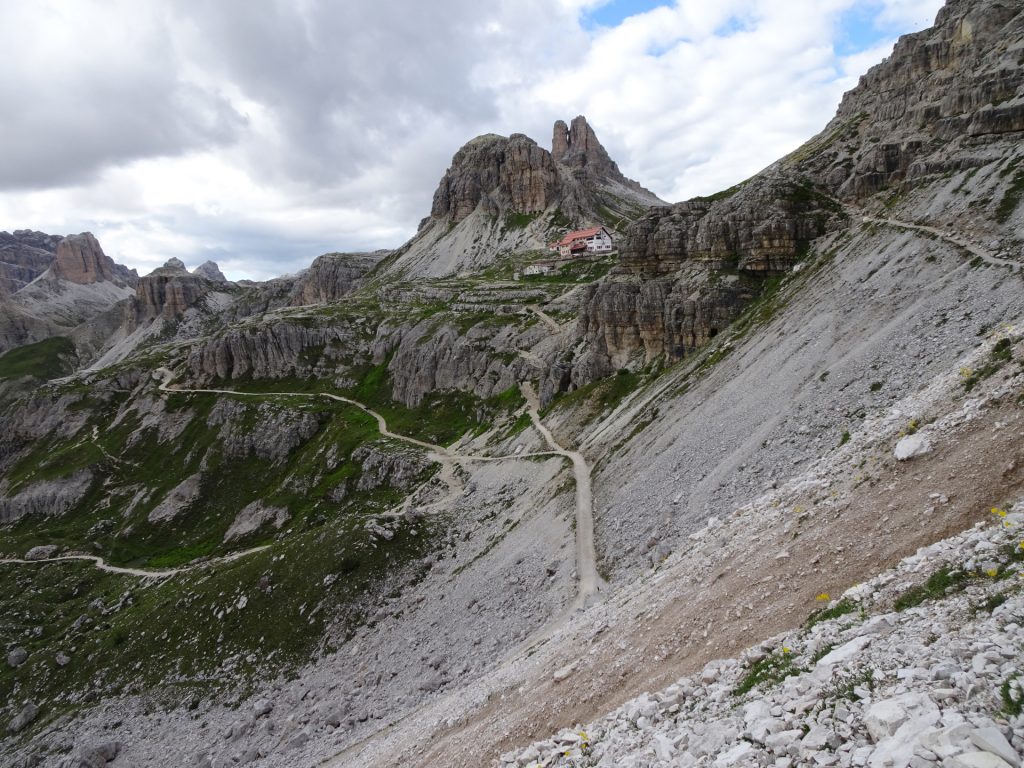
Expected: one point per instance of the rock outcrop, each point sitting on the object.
(276, 433)
(495, 174)
(253, 517)
(46, 498)
(271, 351)
(508, 194)
(761, 228)
(24, 256)
(210, 271)
(577, 148)
(333, 276)
(168, 292)
(954, 86)
(687, 271)
(177, 499)
(81, 260)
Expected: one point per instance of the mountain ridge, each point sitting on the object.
(373, 529)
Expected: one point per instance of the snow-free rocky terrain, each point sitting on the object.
(749, 491)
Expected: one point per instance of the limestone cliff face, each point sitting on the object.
(952, 87)
(688, 270)
(424, 357)
(482, 361)
(577, 149)
(270, 351)
(631, 321)
(947, 98)
(168, 292)
(333, 276)
(77, 285)
(760, 228)
(497, 173)
(24, 256)
(80, 259)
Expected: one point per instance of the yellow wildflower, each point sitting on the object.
(998, 512)
(823, 597)
(992, 572)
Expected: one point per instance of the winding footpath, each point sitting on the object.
(548, 320)
(987, 256)
(103, 565)
(590, 584)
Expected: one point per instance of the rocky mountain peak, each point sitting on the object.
(24, 256)
(508, 194)
(577, 146)
(495, 173)
(169, 291)
(173, 264)
(210, 271)
(81, 260)
(33, 238)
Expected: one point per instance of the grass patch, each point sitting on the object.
(603, 395)
(841, 608)
(45, 359)
(1002, 353)
(724, 194)
(944, 581)
(516, 220)
(1011, 198)
(770, 670)
(1012, 694)
(843, 687)
(992, 602)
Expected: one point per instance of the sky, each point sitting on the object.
(262, 133)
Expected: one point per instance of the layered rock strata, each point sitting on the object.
(168, 292)
(957, 85)
(24, 256)
(333, 276)
(80, 259)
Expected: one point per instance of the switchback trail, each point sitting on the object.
(589, 582)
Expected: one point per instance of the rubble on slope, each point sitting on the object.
(896, 673)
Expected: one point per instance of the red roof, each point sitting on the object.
(581, 234)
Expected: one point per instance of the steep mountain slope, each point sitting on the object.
(337, 529)
(508, 195)
(24, 256)
(79, 284)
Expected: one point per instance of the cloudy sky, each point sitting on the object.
(261, 133)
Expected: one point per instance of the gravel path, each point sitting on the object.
(987, 256)
(103, 565)
(549, 321)
(590, 582)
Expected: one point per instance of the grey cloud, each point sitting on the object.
(349, 82)
(72, 110)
